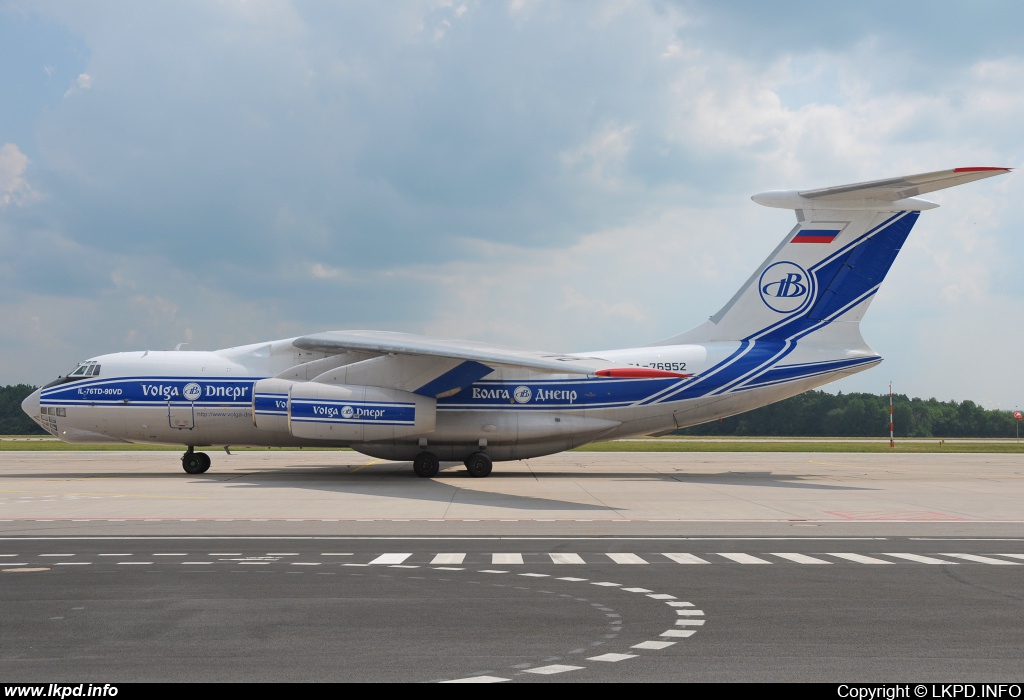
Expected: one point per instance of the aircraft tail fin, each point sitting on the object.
(830, 265)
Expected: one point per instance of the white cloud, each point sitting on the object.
(14, 188)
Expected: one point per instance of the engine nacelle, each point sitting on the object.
(358, 413)
(270, 404)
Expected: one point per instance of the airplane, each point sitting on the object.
(791, 327)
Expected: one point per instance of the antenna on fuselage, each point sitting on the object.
(178, 346)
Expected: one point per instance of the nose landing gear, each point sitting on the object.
(195, 462)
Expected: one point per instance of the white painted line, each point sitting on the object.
(507, 558)
(479, 679)
(554, 668)
(182, 554)
(859, 558)
(449, 558)
(661, 596)
(403, 566)
(449, 568)
(680, 604)
(800, 558)
(72, 563)
(684, 558)
(56, 555)
(8, 555)
(355, 564)
(1015, 556)
(537, 575)
(980, 559)
(492, 571)
(690, 612)
(652, 645)
(15, 563)
(255, 563)
(625, 558)
(611, 657)
(919, 558)
(678, 633)
(571, 578)
(336, 554)
(565, 558)
(604, 583)
(282, 554)
(134, 563)
(225, 554)
(305, 563)
(637, 590)
(116, 555)
(392, 558)
(199, 563)
(741, 558)
(690, 623)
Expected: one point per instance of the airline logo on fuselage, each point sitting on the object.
(785, 287)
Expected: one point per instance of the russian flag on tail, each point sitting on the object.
(815, 235)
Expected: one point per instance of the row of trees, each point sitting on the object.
(820, 414)
(812, 414)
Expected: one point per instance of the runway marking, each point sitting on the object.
(625, 558)
(859, 558)
(197, 563)
(571, 578)
(392, 558)
(636, 590)
(492, 571)
(554, 668)
(137, 563)
(661, 596)
(680, 604)
(25, 570)
(448, 558)
(919, 558)
(741, 558)
(693, 623)
(123, 554)
(678, 633)
(683, 558)
(56, 555)
(306, 563)
(1015, 556)
(692, 612)
(72, 563)
(604, 583)
(612, 657)
(800, 558)
(480, 679)
(537, 575)
(176, 554)
(506, 558)
(980, 559)
(565, 558)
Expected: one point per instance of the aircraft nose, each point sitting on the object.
(31, 405)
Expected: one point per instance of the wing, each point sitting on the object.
(438, 367)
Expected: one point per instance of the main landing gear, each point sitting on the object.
(427, 465)
(195, 462)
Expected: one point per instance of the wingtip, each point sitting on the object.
(979, 169)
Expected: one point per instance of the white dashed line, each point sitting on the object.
(612, 657)
(479, 679)
(652, 645)
(625, 558)
(637, 590)
(565, 558)
(689, 623)
(981, 559)
(684, 558)
(448, 558)
(134, 563)
(690, 612)
(678, 633)
(571, 578)
(859, 558)
(919, 558)
(554, 668)
(1015, 556)
(800, 558)
(506, 558)
(72, 563)
(392, 558)
(680, 604)
(741, 558)
(197, 563)
(604, 583)
(537, 575)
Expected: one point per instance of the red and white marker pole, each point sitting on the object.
(892, 443)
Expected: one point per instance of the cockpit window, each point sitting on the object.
(85, 369)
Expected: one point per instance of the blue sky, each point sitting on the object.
(566, 176)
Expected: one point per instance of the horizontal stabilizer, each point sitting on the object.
(893, 194)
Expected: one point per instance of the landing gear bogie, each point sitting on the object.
(478, 465)
(195, 462)
(426, 465)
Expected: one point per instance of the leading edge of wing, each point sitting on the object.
(491, 355)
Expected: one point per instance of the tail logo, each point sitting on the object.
(785, 287)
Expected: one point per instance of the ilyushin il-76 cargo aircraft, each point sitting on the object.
(793, 326)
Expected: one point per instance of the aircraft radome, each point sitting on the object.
(793, 326)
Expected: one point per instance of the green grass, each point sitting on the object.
(32, 443)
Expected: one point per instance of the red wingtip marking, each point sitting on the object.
(640, 373)
(978, 170)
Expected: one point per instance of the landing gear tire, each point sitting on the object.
(195, 462)
(426, 465)
(478, 465)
